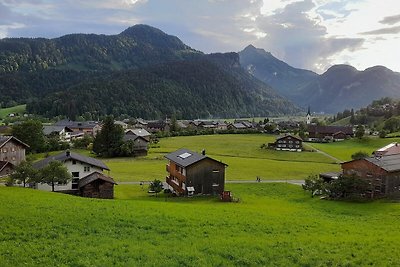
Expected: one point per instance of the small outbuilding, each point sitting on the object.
(97, 185)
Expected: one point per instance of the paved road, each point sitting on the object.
(297, 182)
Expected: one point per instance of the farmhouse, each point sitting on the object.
(140, 139)
(192, 173)
(288, 143)
(382, 173)
(390, 149)
(85, 127)
(12, 153)
(327, 133)
(87, 177)
(63, 132)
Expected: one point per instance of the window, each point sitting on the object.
(5, 150)
(13, 158)
(86, 168)
(12, 149)
(75, 174)
(74, 162)
(75, 183)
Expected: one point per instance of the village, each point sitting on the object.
(194, 173)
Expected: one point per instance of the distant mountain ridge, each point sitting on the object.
(140, 72)
(267, 68)
(340, 87)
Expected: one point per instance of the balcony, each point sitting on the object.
(175, 173)
(174, 185)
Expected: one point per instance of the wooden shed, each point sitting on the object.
(97, 185)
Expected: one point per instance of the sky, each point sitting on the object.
(309, 34)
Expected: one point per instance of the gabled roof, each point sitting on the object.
(64, 156)
(77, 124)
(138, 132)
(330, 129)
(390, 149)
(289, 135)
(185, 157)
(93, 177)
(3, 164)
(390, 163)
(48, 129)
(133, 137)
(5, 139)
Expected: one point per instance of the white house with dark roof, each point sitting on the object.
(78, 165)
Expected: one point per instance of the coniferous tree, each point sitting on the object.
(109, 140)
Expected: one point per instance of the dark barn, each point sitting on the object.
(187, 169)
(97, 185)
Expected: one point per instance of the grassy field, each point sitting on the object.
(242, 152)
(272, 225)
(344, 150)
(16, 109)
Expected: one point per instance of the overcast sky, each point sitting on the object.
(311, 34)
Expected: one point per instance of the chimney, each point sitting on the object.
(203, 152)
(67, 153)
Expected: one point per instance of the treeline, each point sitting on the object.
(188, 89)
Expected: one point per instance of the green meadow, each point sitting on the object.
(4, 112)
(242, 152)
(272, 225)
(343, 150)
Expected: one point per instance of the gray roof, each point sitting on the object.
(289, 135)
(48, 129)
(185, 157)
(390, 163)
(72, 156)
(93, 177)
(139, 132)
(77, 124)
(4, 139)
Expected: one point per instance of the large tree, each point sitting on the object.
(54, 173)
(31, 133)
(109, 140)
(24, 173)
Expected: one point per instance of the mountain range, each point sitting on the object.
(340, 87)
(141, 72)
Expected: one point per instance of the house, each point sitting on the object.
(140, 139)
(87, 175)
(63, 132)
(124, 125)
(193, 173)
(334, 133)
(382, 173)
(390, 149)
(236, 126)
(85, 127)
(157, 126)
(288, 143)
(12, 153)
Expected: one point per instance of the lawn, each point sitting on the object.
(242, 152)
(16, 109)
(273, 224)
(343, 150)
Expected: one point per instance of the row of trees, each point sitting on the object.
(54, 173)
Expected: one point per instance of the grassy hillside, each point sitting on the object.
(4, 112)
(242, 152)
(344, 150)
(274, 224)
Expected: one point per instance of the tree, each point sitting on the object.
(349, 187)
(360, 155)
(174, 124)
(109, 140)
(392, 124)
(24, 173)
(54, 173)
(156, 186)
(314, 184)
(360, 131)
(31, 133)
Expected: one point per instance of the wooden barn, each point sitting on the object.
(382, 173)
(96, 185)
(193, 173)
(12, 153)
(334, 133)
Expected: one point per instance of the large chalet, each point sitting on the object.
(192, 173)
(12, 153)
(329, 133)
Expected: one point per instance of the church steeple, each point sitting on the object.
(308, 117)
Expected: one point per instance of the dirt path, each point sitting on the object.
(326, 154)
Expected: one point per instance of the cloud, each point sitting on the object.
(390, 30)
(390, 20)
